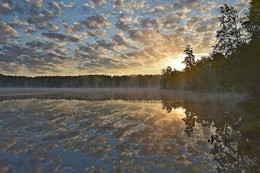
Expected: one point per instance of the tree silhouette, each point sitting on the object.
(165, 76)
(84, 81)
(167, 71)
(189, 60)
(232, 34)
(233, 38)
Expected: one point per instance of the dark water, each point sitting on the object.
(50, 135)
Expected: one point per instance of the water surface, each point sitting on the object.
(58, 135)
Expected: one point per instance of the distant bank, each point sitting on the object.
(84, 81)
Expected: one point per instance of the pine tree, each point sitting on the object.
(189, 60)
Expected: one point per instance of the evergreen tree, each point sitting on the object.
(189, 60)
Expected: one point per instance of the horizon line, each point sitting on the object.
(1, 74)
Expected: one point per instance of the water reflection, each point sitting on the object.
(113, 136)
(118, 136)
(189, 122)
(229, 149)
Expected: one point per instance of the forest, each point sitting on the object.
(233, 66)
(85, 81)
(234, 63)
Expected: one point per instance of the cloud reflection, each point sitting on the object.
(111, 136)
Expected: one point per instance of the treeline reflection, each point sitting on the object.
(229, 147)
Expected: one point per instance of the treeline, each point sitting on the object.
(234, 63)
(201, 77)
(84, 81)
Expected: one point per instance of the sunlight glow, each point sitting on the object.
(175, 63)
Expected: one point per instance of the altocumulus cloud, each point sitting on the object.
(103, 36)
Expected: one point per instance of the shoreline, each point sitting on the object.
(117, 93)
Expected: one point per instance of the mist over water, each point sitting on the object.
(153, 134)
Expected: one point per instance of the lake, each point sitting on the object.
(121, 131)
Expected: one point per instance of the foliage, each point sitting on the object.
(234, 63)
(232, 34)
(240, 70)
(253, 24)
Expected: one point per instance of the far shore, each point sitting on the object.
(116, 93)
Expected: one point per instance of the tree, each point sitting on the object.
(232, 33)
(168, 70)
(251, 52)
(234, 43)
(165, 76)
(189, 60)
(253, 22)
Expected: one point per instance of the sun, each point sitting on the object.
(175, 63)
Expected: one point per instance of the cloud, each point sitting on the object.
(30, 30)
(72, 28)
(97, 33)
(136, 5)
(240, 6)
(7, 32)
(95, 22)
(45, 36)
(129, 7)
(11, 52)
(207, 25)
(105, 44)
(149, 23)
(40, 63)
(9, 68)
(50, 26)
(190, 4)
(99, 2)
(190, 22)
(18, 23)
(107, 65)
(169, 21)
(60, 36)
(124, 22)
(118, 4)
(5, 8)
(35, 3)
(69, 5)
(55, 6)
(37, 57)
(123, 26)
(86, 48)
(159, 9)
(44, 45)
(120, 39)
(86, 7)
(39, 18)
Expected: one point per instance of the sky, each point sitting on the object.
(114, 37)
